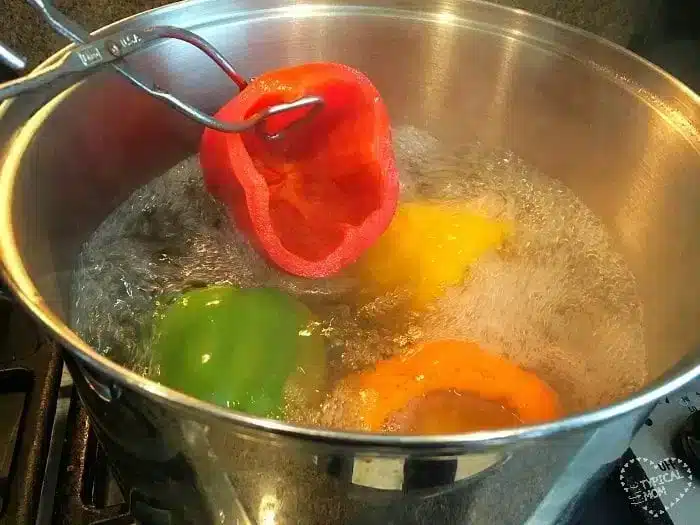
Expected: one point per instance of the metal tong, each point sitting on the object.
(92, 55)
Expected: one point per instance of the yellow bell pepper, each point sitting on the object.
(427, 248)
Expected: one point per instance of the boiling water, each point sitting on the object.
(557, 298)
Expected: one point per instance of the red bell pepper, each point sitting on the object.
(315, 199)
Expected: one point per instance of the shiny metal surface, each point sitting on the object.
(618, 131)
(11, 58)
(93, 54)
(88, 58)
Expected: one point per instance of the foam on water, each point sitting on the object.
(557, 299)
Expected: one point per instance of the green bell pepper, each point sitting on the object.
(238, 348)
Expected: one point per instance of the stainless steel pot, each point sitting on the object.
(620, 132)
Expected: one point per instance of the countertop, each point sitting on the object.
(22, 29)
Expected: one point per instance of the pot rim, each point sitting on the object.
(17, 278)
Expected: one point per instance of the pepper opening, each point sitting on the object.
(322, 180)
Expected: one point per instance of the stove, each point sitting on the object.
(30, 370)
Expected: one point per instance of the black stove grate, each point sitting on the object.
(30, 370)
(86, 492)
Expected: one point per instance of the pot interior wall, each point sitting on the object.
(568, 105)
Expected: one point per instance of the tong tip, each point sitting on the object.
(11, 58)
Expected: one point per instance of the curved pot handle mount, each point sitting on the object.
(104, 389)
(386, 478)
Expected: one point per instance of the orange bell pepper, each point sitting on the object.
(450, 365)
